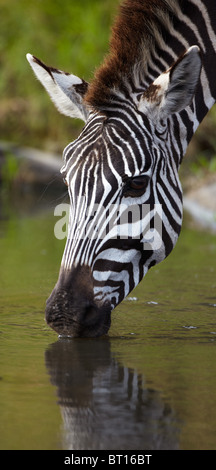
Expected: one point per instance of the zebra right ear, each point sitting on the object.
(66, 91)
(174, 89)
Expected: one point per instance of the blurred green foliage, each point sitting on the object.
(72, 35)
(9, 169)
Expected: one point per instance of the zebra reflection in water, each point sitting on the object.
(105, 405)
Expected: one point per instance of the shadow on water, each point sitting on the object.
(105, 405)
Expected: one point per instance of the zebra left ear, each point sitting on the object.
(174, 89)
(66, 91)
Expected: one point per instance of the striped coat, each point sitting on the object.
(140, 111)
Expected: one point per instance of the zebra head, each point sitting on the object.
(125, 194)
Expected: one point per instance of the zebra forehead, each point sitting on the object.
(115, 145)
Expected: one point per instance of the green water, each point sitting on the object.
(151, 384)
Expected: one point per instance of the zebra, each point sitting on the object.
(140, 110)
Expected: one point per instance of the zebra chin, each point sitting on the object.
(71, 310)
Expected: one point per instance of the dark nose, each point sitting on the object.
(71, 309)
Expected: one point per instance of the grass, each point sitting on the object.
(71, 35)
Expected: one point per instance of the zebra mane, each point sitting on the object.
(139, 31)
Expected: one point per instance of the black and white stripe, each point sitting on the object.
(143, 130)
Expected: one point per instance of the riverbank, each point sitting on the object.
(200, 201)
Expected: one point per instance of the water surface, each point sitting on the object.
(150, 384)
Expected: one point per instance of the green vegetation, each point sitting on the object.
(9, 169)
(71, 35)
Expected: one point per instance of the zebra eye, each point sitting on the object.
(138, 183)
(135, 187)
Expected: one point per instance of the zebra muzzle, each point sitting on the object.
(71, 309)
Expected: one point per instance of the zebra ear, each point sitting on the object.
(174, 89)
(66, 91)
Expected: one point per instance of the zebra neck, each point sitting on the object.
(147, 38)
